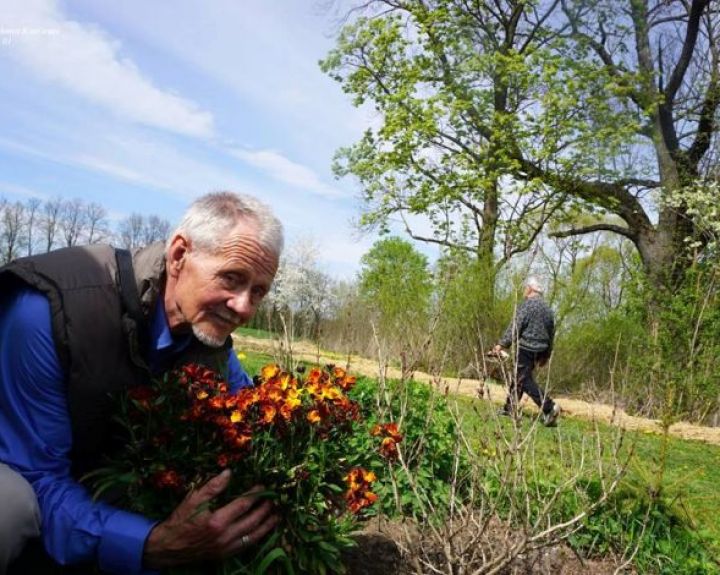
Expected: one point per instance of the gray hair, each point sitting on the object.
(535, 284)
(211, 217)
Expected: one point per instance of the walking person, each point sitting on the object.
(532, 330)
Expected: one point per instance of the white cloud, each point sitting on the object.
(286, 171)
(21, 191)
(86, 61)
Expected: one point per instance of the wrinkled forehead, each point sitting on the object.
(243, 246)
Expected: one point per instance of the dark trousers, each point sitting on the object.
(523, 382)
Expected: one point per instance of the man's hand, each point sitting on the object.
(498, 351)
(194, 532)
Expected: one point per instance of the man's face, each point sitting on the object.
(215, 293)
(530, 292)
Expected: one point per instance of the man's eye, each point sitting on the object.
(229, 279)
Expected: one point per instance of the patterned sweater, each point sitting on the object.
(533, 327)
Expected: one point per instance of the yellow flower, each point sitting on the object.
(202, 394)
(236, 416)
(241, 356)
(269, 371)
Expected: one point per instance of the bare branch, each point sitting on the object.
(623, 231)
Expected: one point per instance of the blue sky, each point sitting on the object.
(143, 106)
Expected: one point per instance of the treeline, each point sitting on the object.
(38, 226)
(442, 319)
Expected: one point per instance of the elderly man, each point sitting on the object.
(81, 324)
(533, 331)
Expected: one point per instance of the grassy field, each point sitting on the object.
(258, 333)
(686, 472)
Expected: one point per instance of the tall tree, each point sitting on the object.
(301, 290)
(32, 206)
(131, 231)
(397, 284)
(155, 229)
(496, 115)
(50, 221)
(95, 219)
(12, 236)
(72, 221)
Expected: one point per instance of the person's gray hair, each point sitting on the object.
(211, 217)
(535, 284)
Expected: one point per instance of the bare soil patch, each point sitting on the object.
(613, 415)
(392, 547)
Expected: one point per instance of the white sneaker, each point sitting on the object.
(550, 418)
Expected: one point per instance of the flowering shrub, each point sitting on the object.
(290, 432)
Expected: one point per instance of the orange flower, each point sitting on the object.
(391, 429)
(293, 398)
(347, 383)
(314, 416)
(242, 441)
(368, 476)
(388, 448)
(217, 403)
(391, 437)
(236, 416)
(269, 371)
(314, 375)
(268, 413)
(286, 380)
(358, 495)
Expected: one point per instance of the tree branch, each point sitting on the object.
(696, 10)
(706, 123)
(623, 231)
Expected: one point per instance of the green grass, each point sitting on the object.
(252, 362)
(257, 333)
(688, 475)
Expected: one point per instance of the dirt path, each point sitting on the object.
(496, 393)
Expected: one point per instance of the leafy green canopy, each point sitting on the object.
(479, 108)
(496, 116)
(396, 282)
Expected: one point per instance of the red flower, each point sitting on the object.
(167, 479)
(391, 437)
(142, 395)
(358, 496)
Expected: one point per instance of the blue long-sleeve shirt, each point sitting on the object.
(35, 437)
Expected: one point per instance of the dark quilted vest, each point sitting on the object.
(95, 338)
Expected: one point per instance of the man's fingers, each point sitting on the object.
(212, 488)
(237, 507)
(251, 529)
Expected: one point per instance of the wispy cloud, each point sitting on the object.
(286, 171)
(21, 191)
(85, 60)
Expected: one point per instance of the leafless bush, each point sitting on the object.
(511, 495)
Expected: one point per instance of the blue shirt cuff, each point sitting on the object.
(122, 544)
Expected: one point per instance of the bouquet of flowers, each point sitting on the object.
(290, 432)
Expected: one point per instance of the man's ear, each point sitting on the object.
(178, 250)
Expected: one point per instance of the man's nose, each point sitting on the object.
(241, 305)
